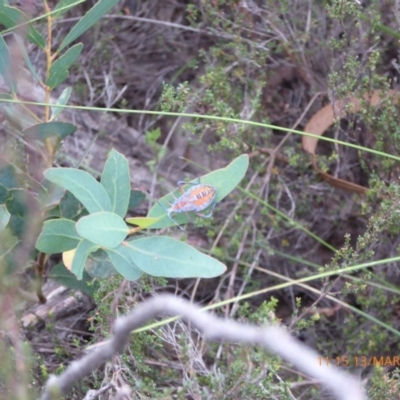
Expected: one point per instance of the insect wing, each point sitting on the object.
(201, 196)
(182, 204)
(196, 199)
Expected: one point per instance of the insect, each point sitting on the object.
(196, 199)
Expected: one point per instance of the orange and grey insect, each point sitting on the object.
(196, 199)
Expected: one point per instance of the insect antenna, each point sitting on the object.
(169, 216)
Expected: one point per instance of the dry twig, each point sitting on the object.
(273, 338)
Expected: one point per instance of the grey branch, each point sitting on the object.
(273, 338)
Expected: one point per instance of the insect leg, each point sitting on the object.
(182, 183)
(169, 216)
(207, 215)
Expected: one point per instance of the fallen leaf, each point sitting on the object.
(322, 120)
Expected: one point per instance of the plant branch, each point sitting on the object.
(273, 338)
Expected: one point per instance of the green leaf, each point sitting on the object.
(18, 119)
(13, 178)
(8, 175)
(49, 129)
(99, 265)
(6, 70)
(59, 70)
(166, 257)
(57, 236)
(25, 56)
(62, 101)
(224, 180)
(82, 252)
(152, 136)
(65, 5)
(122, 261)
(54, 213)
(117, 183)
(12, 17)
(19, 204)
(83, 186)
(103, 228)
(64, 277)
(143, 222)
(3, 194)
(53, 196)
(137, 196)
(69, 206)
(85, 23)
(4, 217)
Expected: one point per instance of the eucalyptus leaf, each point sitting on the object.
(224, 180)
(59, 70)
(20, 204)
(64, 277)
(99, 265)
(12, 17)
(8, 175)
(80, 257)
(136, 197)
(57, 236)
(83, 186)
(105, 229)
(6, 69)
(64, 5)
(25, 56)
(88, 20)
(116, 181)
(122, 261)
(3, 194)
(166, 257)
(62, 101)
(49, 129)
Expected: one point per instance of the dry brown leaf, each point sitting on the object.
(324, 119)
(327, 311)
